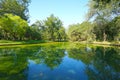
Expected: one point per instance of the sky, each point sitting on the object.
(68, 11)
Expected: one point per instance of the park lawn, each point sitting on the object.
(113, 43)
(9, 42)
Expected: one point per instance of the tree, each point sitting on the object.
(71, 30)
(16, 7)
(110, 28)
(12, 27)
(53, 26)
(40, 28)
(80, 32)
(104, 11)
(101, 28)
(62, 36)
(114, 29)
(108, 8)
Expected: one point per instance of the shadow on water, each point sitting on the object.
(60, 62)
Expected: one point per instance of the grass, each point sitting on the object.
(102, 43)
(114, 43)
(37, 42)
(8, 42)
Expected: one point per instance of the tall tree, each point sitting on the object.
(53, 25)
(16, 7)
(12, 27)
(103, 11)
(108, 8)
(39, 29)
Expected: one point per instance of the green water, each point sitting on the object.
(59, 61)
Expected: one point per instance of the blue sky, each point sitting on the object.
(69, 11)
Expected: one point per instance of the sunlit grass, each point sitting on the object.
(9, 44)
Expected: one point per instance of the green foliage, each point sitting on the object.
(12, 27)
(54, 29)
(80, 32)
(114, 29)
(51, 29)
(16, 7)
(105, 14)
(111, 29)
(71, 29)
(104, 8)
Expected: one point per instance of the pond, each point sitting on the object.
(60, 61)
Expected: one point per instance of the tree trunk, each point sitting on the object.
(104, 36)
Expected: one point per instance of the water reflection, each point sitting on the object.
(59, 63)
(105, 65)
(12, 64)
(50, 56)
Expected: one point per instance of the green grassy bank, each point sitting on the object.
(9, 43)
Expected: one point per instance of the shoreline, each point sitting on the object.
(33, 42)
(107, 43)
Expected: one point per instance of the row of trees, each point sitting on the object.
(81, 32)
(13, 27)
(14, 19)
(96, 30)
(50, 29)
(102, 23)
(107, 19)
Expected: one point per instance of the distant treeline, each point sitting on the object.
(14, 25)
(102, 23)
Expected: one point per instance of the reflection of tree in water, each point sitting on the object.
(105, 65)
(101, 63)
(14, 61)
(80, 54)
(51, 56)
(12, 64)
